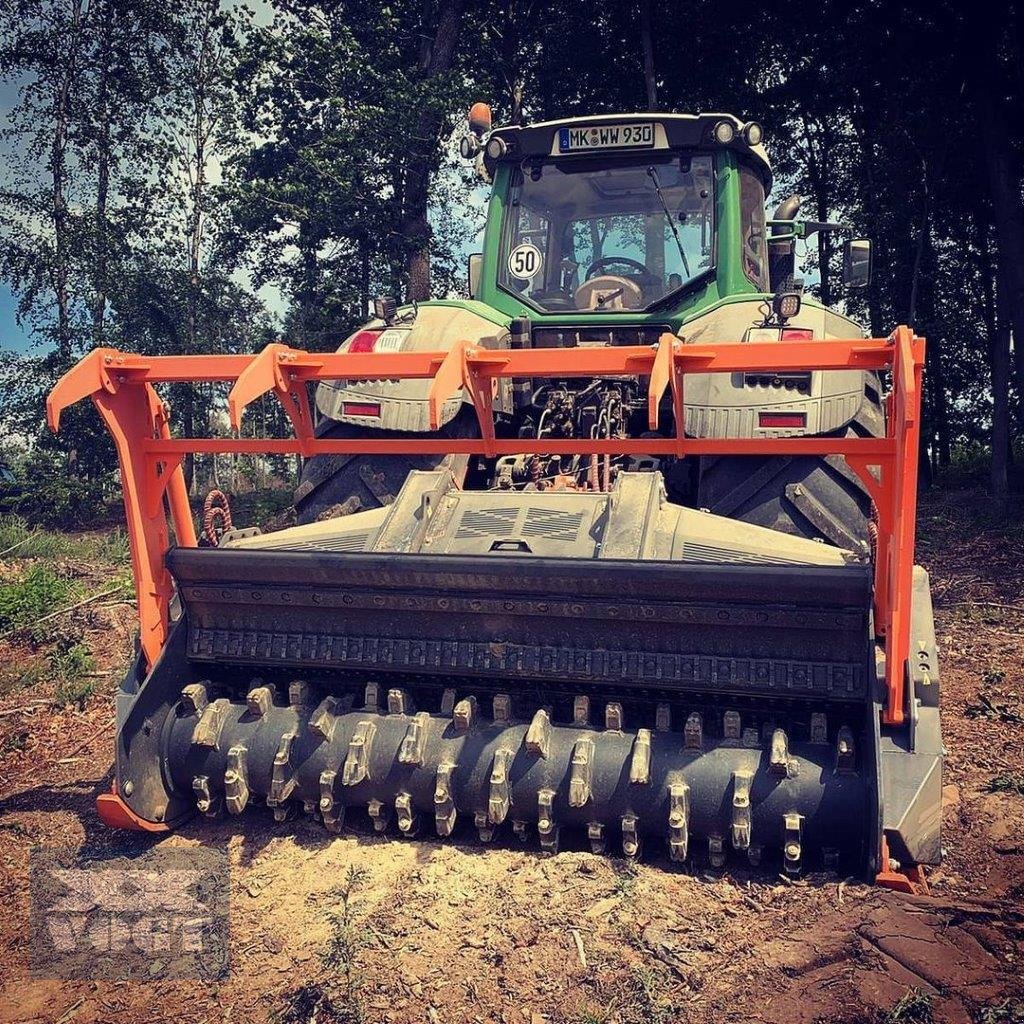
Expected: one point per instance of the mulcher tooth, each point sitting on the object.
(663, 718)
(731, 727)
(331, 810)
(371, 697)
(754, 854)
(357, 761)
(751, 738)
(282, 779)
(582, 772)
(406, 816)
(613, 720)
(411, 750)
(693, 732)
(779, 762)
(194, 698)
(465, 714)
(640, 761)
(546, 827)
(792, 844)
(444, 801)
(300, 693)
(678, 820)
(595, 833)
(538, 736)
(447, 703)
(206, 803)
(259, 700)
(741, 822)
(716, 851)
(484, 826)
(521, 830)
(236, 780)
(581, 711)
(630, 835)
(211, 723)
(846, 752)
(501, 709)
(498, 799)
(324, 719)
(399, 702)
(819, 727)
(380, 814)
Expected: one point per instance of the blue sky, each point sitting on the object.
(12, 337)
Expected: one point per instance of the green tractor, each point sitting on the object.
(612, 230)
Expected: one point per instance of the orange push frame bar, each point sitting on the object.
(122, 387)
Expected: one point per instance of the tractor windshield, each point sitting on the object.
(607, 235)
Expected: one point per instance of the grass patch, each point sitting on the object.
(996, 705)
(71, 664)
(1006, 784)
(38, 593)
(19, 540)
(914, 1008)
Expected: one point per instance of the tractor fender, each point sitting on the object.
(402, 404)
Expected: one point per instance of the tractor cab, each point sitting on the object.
(621, 214)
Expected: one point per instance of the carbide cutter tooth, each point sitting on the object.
(483, 826)
(595, 833)
(282, 781)
(546, 827)
(630, 835)
(663, 718)
(581, 711)
(780, 753)
(205, 802)
(501, 709)
(538, 736)
(444, 799)
(236, 780)
(678, 820)
(259, 700)
(846, 753)
(640, 762)
(613, 720)
(405, 815)
(411, 750)
(194, 698)
(300, 693)
(398, 702)
(819, 727)
(371, 698)
(208, 729)
(380, 815)
(498, 799)
(447, 702)
(716, 851)
(792, 845)
(331, 810)
(731, 726)
(582, 772)
(741, 820)
(357, 761)
(323, 719)
(693, 732)
(521, 830)
(464, 714)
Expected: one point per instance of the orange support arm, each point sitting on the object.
(121, 386)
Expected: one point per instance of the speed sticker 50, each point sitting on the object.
(524, 261)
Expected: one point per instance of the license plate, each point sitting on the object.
(606, 136)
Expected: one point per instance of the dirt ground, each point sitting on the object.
(360, 927)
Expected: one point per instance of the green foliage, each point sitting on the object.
(18, 541)
(44, 491)
(39, 592)
(914, 1008)
(71, 663)
(1009, 1011)
(1007, 784)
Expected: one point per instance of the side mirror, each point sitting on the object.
(474, 269)
(857, 263)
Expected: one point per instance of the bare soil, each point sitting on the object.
(436, 932)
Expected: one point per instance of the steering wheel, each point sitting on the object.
(598, 265)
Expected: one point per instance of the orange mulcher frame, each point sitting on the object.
(122, 387)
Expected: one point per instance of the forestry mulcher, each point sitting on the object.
(617, 550)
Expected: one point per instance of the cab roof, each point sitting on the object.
(671, 131)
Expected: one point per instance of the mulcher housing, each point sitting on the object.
(608, 665)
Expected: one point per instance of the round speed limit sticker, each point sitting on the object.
(524, 261)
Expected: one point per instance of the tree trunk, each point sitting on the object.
(102, 177)
(650, 82)
(436, 57)
(60, 270)
(1000, 359)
